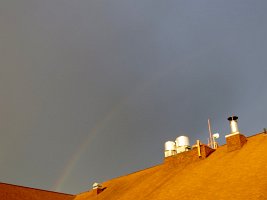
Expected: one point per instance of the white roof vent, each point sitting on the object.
(97, 186)
(170, 148)
(182, 144)
(182, 141)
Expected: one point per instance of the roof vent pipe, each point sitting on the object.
(98, 188)
(233, 124)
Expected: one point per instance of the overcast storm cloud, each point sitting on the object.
(91, 90)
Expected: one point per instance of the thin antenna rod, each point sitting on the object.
(211, 139)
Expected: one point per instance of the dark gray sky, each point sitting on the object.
(91, 89)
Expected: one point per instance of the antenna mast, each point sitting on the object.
(211, 138)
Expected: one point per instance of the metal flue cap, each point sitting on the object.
(232, 118)
(97, 185)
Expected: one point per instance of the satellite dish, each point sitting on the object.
(216, 135)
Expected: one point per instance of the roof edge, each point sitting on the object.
(36, 189)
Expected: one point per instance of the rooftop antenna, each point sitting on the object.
(215, 143)
(211, 140)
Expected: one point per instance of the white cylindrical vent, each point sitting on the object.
(182, 141)
(233, 124)
(182, 144)
(170, 148)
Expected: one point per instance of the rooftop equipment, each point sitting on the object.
(182, 144)
(97, 186)
(215, 136)
(233, 124)
(170, 148)
(198, 148)
(211, 139)
(182, 141)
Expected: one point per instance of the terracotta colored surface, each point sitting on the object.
(14, 192)
(240, 174)
(189, 156)
(235, 142)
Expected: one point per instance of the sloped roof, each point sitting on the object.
(14, 192)
(240, 174)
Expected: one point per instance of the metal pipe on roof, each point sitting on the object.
(198, 148)
(233, 124)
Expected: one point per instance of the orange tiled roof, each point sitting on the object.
(240, 174)
(14, 192)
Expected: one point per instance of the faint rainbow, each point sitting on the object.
(81, 148)
(101, 124)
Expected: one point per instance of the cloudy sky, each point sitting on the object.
(91, 89)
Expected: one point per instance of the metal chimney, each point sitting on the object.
(233, 124)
